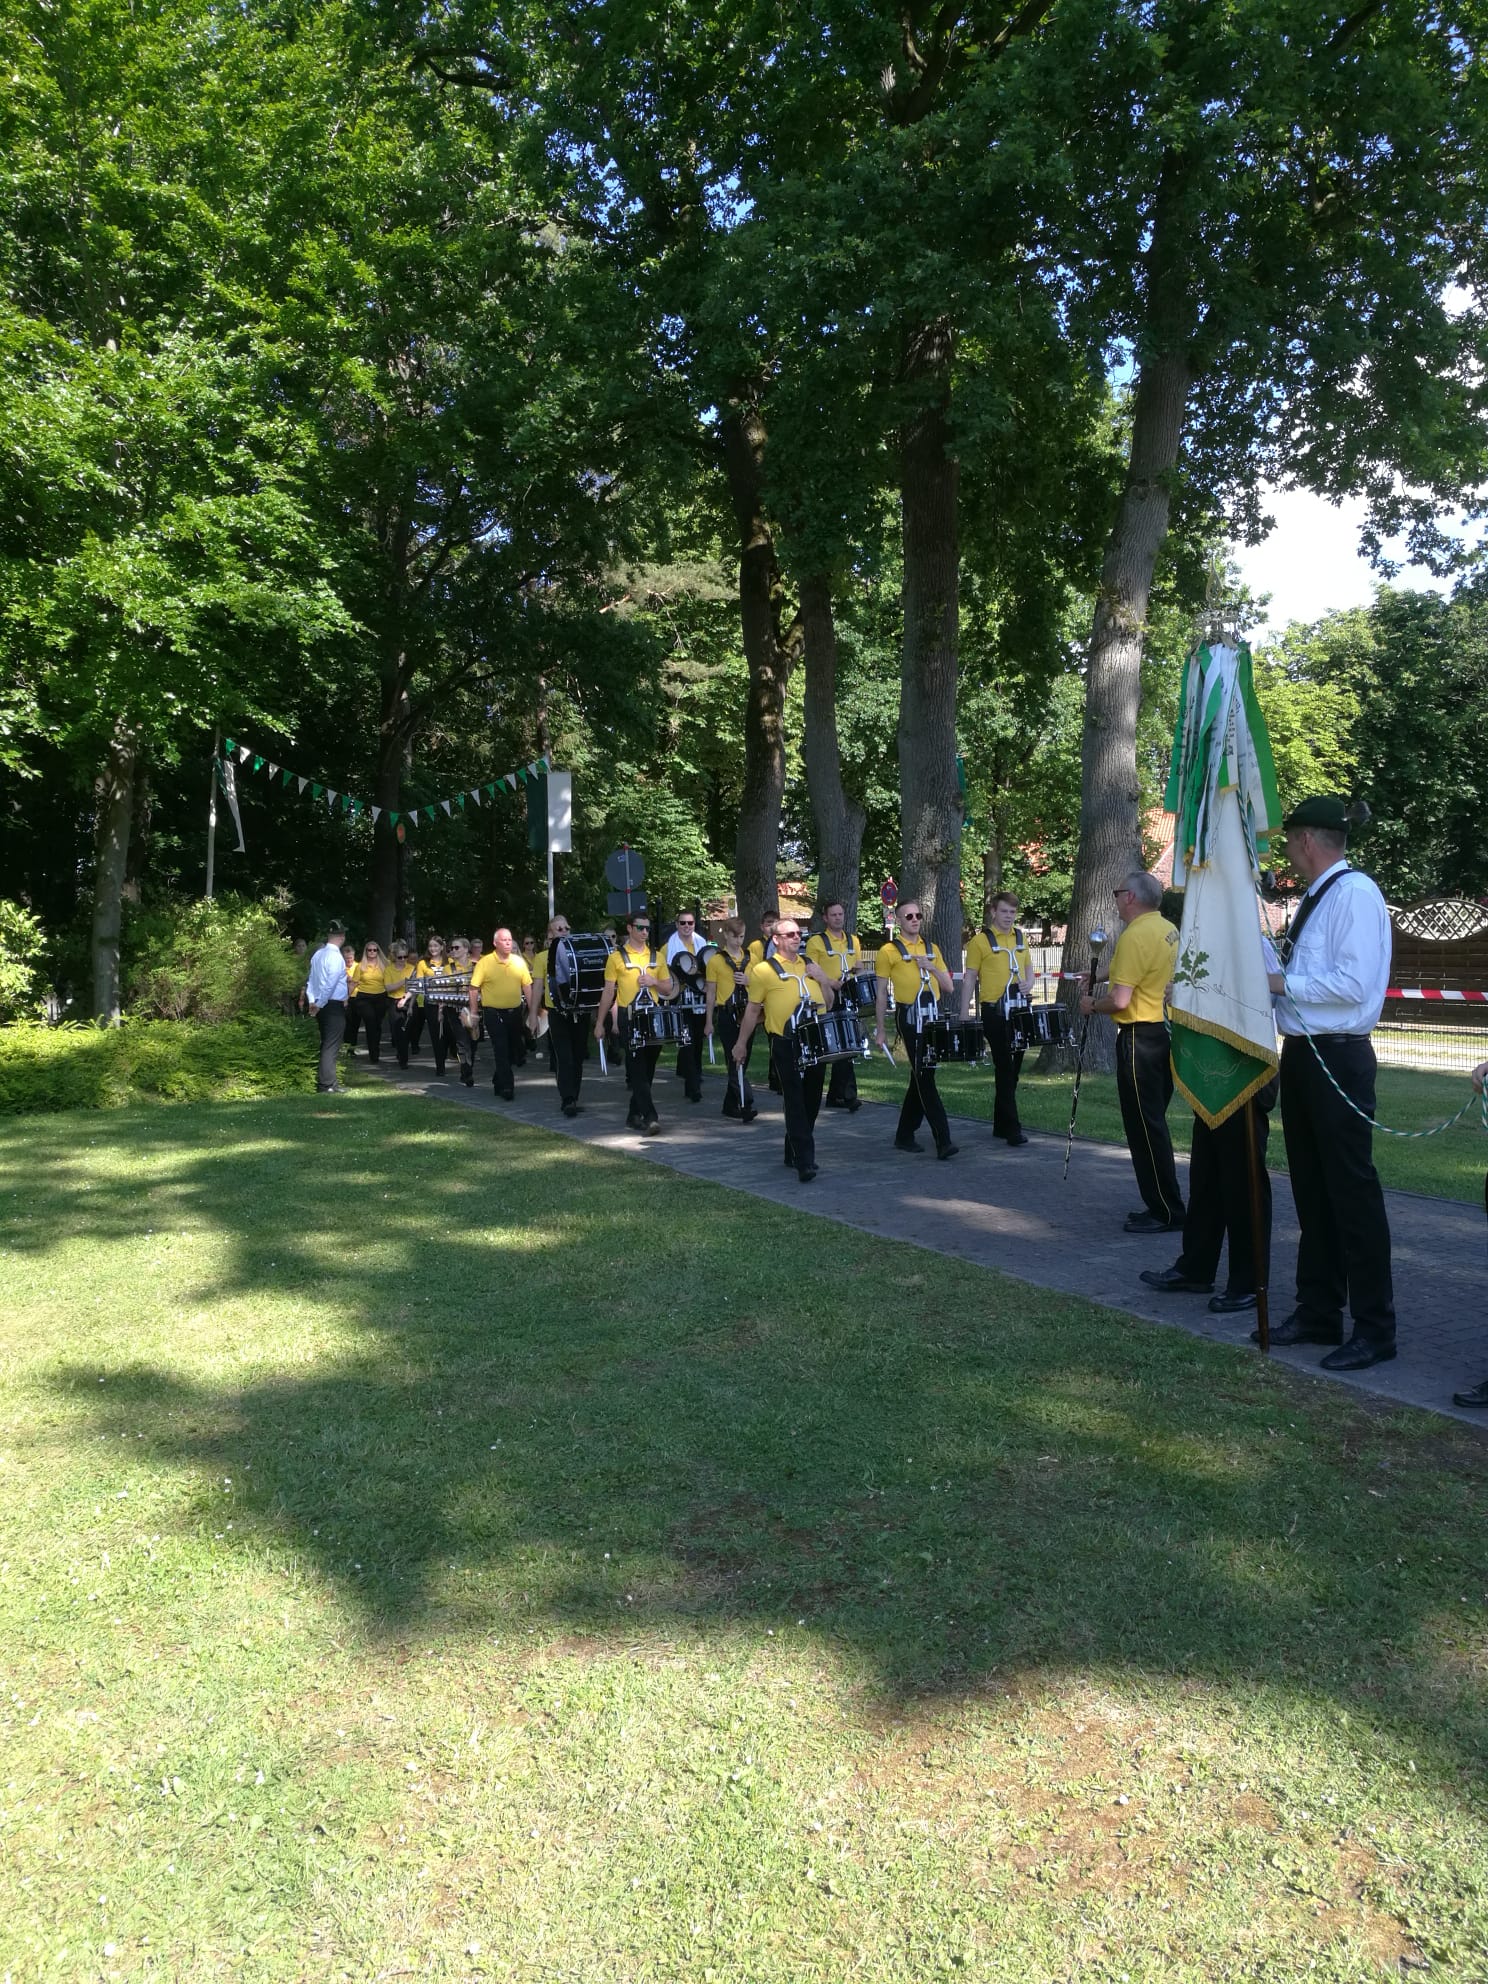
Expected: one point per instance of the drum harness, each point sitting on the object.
(923, 1008)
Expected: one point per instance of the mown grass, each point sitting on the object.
(434, 1548)
(1449, 1166)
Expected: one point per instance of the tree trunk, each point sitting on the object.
(1110, 791)
(839, 819)
(769, 652)
(394, 757)
(930, 797)
(115, 794)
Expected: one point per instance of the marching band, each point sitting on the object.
(825, 1003)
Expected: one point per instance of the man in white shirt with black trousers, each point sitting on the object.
(1332, 987)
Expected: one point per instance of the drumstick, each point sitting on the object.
(712, 1057)
(604, 1066)
(742, 1103)
(889, 1056)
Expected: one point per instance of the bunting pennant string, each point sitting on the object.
(349, 807)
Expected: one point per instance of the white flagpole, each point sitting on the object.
(212, 812)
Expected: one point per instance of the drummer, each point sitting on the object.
(633, 969)
(1000, 965)
(917, 972)
(728, 995)
(780, 987)
(567, 1032)
(685, 962)
(398, 977)
(837, 951)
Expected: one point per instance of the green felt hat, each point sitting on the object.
(1328, 811)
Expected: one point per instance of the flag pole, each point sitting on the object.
(1097, 945)
(212, 812)
(1259, 1252)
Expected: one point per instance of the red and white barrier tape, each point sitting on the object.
(1410, 992)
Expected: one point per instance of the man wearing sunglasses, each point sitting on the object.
(1136, 996)
(632, 969)
(687, 965)
(917, 973)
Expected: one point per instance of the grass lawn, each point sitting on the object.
(434, 1549)
(1450, 1166)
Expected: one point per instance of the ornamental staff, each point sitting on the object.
(1332, 988)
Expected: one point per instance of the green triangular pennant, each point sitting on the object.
(285, 777)
(229, 744)
(258, 764)
(393, 819)
(490, 792)
(522, 775)
(428, 812)
(316, 791)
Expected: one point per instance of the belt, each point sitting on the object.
(1324, 1036)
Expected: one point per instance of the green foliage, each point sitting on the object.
(21, 945)
(46, 1068)
(212, 961)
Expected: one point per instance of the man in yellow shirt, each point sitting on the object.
(779, 988)
(996, 958)
(727, 996)
(916, 973)
(499, 984)
(633, 969)
(836, 950)
(1136, 996)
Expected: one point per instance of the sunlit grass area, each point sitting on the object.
(432, 1547)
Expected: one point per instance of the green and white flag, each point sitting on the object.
(1222, 788)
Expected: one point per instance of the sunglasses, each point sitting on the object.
(910, 916)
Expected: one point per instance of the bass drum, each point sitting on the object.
(576, 969)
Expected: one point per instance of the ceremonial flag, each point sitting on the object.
(1222, 788)
(226, 776)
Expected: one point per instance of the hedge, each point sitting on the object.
(88, 1067)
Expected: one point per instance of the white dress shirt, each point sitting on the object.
(327, 980)
(1337, 976)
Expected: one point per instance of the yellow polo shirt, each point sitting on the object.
(781, 996)
(396, 976)
(370, 978)
(995, 960)
(722, 970)
(835, 955)
(1145, 955)
(624, 965)
(501, 982)
(903, 974)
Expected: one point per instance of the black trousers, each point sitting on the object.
(353, 1021)
(415, 1028)
(373, 1010)
(690, 1054)
(801, 1094)
(400, 1026)
(726, 1026)
(1343, 1250)
(1007, 1064)
(1144, 1082)
(640, 1072)
(450, 1031)
(922, 1103)
(1219, 1199)
(331, 1019)
(504, 1030)
(568, 1043)
(842, 1082)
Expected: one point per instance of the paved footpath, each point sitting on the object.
(1007, 1209)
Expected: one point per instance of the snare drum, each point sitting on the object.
(1051, 1026)
(949, 1040)
(834, 1036)
(1022, 1029)
(859, 992)
(576, 969)
(653, 1025)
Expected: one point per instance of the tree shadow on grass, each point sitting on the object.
(579, 1393)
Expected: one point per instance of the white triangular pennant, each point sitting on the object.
(511, 779)
(273, 769)
(302, 783)
(445, 804)
(244, 754)
(411, 818)
(376, 814)
(475, 794)
(330, 797)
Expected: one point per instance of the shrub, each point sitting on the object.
(21, 946)
(213, 961)
(88, 1067)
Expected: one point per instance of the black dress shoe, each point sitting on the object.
(1230, 1305)
(1018, 1137)
(1357, 1355)
(908, 1143)
(808, 1174)
(944, 1151)
(749, 1114)
(835, 1102)
(1478, 1395)
(1148, 1222)
(854, 1105)
(651, 1129)
(1172, 1283)
(1293, 1329)
(570, 1109)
